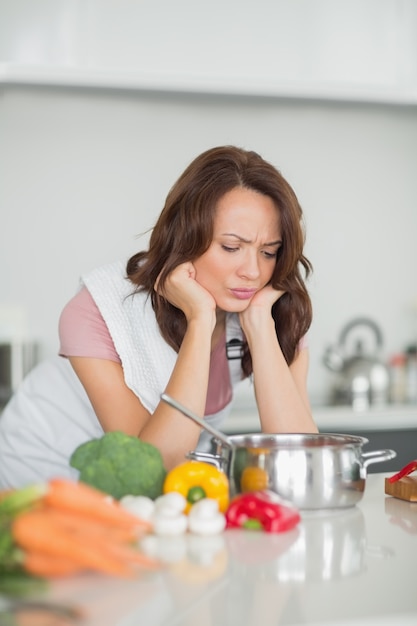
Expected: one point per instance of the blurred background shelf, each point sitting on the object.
(391, 426)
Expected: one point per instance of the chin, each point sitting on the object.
(235, 306)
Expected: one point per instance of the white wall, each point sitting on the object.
(84, 171)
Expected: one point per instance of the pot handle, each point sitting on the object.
(206, 457)
(377, 456)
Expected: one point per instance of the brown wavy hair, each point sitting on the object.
(184, 231)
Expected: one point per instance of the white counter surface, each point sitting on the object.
(331, 418)
(352, 567)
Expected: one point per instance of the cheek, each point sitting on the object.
(267, 273)
(209, 267)
(270, 272)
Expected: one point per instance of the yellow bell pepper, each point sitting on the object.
(196, 480)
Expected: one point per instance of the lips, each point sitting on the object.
(243, 294)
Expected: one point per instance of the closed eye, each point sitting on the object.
(268, 255)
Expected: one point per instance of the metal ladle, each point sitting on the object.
(213, 431)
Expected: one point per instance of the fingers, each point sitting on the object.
(181, 272)
(266, 297)
(259, 311)
(183, 291)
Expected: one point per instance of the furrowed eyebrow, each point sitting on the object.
(274, 243)
(243, 240)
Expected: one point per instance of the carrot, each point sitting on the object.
(79, 541)
(83, 525)
(80, 497)
(117, 541)
(77, 528)
(36, 531)
(48, 566)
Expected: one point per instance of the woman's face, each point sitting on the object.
(242, 256)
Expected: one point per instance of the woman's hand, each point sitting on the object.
(183, 291)
(260, 307)
(188, 382)
(280, 390)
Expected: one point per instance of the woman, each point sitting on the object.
(218, 296)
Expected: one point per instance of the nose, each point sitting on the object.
(249, 267)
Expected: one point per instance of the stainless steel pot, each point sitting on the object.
(313, 471)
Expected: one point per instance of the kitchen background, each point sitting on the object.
(103, 103)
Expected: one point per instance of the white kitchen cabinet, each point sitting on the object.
(364, 50)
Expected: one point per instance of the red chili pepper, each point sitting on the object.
(261, 510)
(407, 469)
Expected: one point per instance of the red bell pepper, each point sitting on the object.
(407, 469)
(261, 510)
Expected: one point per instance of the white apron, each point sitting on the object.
(50, 414)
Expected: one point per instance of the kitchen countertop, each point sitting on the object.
(351, 567)
(244, 418)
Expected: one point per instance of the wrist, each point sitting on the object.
(256, 328)
(202, 324)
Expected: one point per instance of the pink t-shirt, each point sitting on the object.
(83, 332)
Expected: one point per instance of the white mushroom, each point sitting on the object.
(141, 506)
(204, 518)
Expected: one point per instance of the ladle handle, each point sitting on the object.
(213, 431)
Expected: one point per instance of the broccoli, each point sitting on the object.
(120, 464)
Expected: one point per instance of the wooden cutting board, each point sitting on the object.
(404, 489)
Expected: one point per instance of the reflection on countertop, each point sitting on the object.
(351, 566)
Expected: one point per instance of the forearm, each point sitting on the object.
(173, 433)
(118, 408)
(280, 391)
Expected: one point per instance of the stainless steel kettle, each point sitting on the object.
(361, 378)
